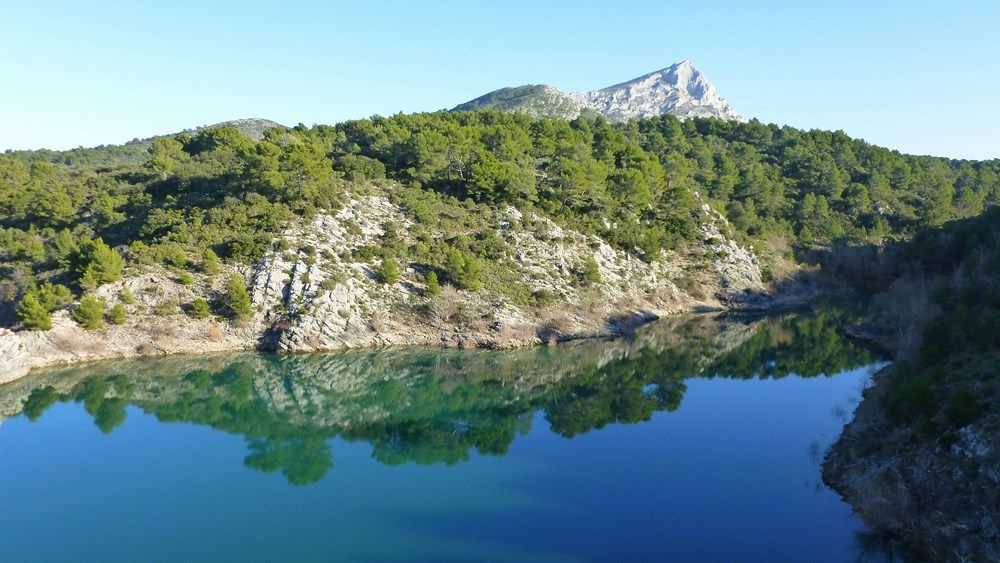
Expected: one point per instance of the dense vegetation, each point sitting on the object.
(940, 291)
(76, 218)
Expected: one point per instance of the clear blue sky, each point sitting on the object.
(922, 77)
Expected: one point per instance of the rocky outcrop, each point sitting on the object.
(316, 290)
(15, 361)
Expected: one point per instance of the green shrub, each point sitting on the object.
(89, 313)
(591, 272)
(238, 299)
(433, 287)
(174, 256)
(126, 296)
(388, 270)
(963, 407)
(32, 314)
(98, 264)
(210, 262)
(543, 298)
(185, 278)
(117, 314)
(53, 296)
(199, 309)
(908, 396)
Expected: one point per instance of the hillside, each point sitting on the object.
(470, 228)
(498, 229)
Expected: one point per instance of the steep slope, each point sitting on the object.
(679, 90)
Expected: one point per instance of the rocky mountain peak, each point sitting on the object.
(679, 89)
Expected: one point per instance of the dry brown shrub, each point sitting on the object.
(906, 307)
(213, 332)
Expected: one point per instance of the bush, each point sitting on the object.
(591, 272)
(185, 278)
(909, 396)
(238, 299)
(543, 298)
(174, 256)
(117, 314)
(32, 314)
(126, 296)
(433, 288)
(89, 313)
(963, 407)
(210, 262)
(53, 296)
(388, 270)
(199, 309)
(98, 264)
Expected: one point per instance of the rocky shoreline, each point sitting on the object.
(938, 500)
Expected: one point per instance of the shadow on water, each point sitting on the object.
(433, 406)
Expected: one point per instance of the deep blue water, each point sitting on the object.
(694, 441)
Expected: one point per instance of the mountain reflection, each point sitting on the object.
(434, 406)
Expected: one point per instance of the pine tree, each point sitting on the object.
(33, 314)
(388, 270)
(117, 314)
(199, 309)
(591, 271)
(89, 313)
(433, 288)
(239, 298)
(210, 262)
(98, 263)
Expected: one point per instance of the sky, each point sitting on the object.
(920, 77)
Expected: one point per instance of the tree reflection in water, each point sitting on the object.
(434, 406)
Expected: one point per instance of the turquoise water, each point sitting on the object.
(698, 439)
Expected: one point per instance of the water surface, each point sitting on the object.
(697, 439)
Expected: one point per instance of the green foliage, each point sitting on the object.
(591, 272)
(97, 263)
(32, 314)
(185, 278)
(388, 270)
(53, 296)
(126, 297)
(432, 286)
(909, 396)
(199, 309)
(963, 407)
(210, 264)
(543, 298)
(89, 313)
(174, 256)
(238, 298)
(117, 315)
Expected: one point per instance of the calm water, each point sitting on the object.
(698, 439)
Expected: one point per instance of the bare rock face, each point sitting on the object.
(14, 357)
(737, 267)
(679, 90)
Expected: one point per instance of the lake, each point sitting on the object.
(699, 438)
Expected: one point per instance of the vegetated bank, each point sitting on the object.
(472, 228)
(498, 229)
(920, 460)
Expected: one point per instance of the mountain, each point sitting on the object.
(679, 89)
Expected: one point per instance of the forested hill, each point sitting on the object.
(633, 183)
